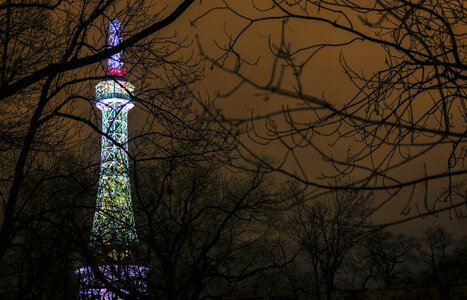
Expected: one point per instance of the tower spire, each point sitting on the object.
(115, 62)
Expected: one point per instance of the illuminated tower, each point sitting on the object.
(113, 230)
(114, 226)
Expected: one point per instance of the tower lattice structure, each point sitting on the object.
(114, 225)
(113, 230)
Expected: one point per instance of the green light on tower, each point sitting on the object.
(114, 226)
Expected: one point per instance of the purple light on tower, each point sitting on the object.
(128, 279)
(115, 63)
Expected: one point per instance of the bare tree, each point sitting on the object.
(327, 229)
(385, 131)
(48, 235)
(443, 259)
(389, 254)
(439, 244)
(202, 227)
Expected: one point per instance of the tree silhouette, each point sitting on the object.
(201, 228)
(389, 253)
(326, 230)
(402, 110)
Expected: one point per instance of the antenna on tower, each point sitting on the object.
(115, 63)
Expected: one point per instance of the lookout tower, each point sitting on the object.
(114, 226)
(113, 231)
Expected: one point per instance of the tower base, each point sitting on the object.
(112, 281)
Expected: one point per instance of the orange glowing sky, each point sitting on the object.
(323, 77)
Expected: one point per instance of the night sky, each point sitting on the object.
(322, 77)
